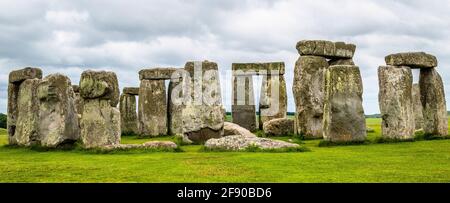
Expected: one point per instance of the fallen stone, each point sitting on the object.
(58, 120)
(146, 145)
(396, 103)
(434, 106)
(100, 85)
(412, 59)
(18, 76)
(235, 129)
(131, 90)
(239, 142)
(308, 89)
(100, 124)
(128, 114)
(344, 119)
(417, 106)
(156, 73)
(327, 49)
(247, 69)
(152, 109)
(279, 127)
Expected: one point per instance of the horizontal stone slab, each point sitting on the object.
(272, 68)
(412, 59)
(327, 49)
(131, 90)
(23, 74)
(156, 73)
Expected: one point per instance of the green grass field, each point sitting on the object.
(420, 161)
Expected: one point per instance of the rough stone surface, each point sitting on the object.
(396, 103)
(273, 99)
(235, 129)
(131, 90)
(156, 73)
(333, 62)
(25, 131)
(308, 89)
(326, 49)
(58, 120)
(279, 127)
(343, 111)
(203, 116)
(18, 76)
(432, 96)
(412, 59)
(243, 108)
(417, 106)
(175, 108)
(77, 99)
(239, 142)
(100, 85)
(272, 68)
(128, 114)
(152, 109)
(76, 88)
(100, 124)
(146, 145)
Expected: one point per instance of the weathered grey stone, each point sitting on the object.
(396, 103)
(273, 99)
(343, 117)
(203, 116)
(18, 76)
(239, 142)
(25, 129)
(77, 99)
(412, 59)
(146, 145)
(100, 124)
(243, 107)
(15, 79)
(152, 109)
(58, 120)
(131, 90)
(156, 73)
(417, 106)
(235, 129)
(326, 49)
(432, 96)
(100, 85)
(279, 127)
(175, 108)
(247, 69)
(308, 89)
(128, 114)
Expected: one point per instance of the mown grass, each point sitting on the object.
(419, 161)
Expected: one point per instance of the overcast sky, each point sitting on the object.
(126, 36)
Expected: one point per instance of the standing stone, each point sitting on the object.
(16, 78)
(27, 121)
(396, 103)
(433, 102)
(308, 92)
(203, 115)
(58, 120)
(243, 106)
(273, 99)
(100, 121)
(152, 108)
(175, 109)
(128, 115)
(417, 106)
(343, 111)
(100, 124)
